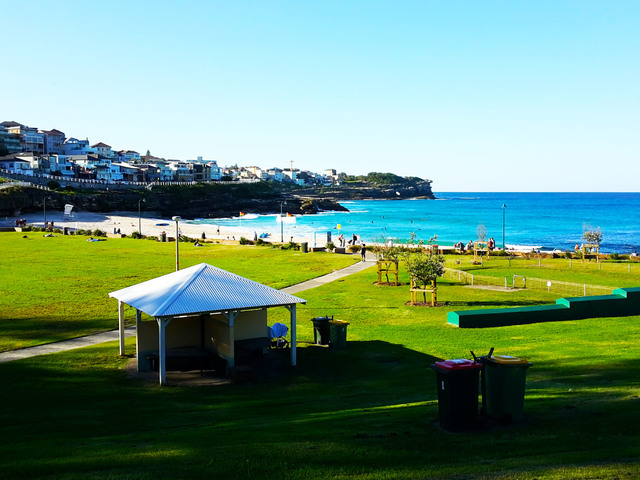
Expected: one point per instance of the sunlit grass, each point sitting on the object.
(57, 288)
(366, 412)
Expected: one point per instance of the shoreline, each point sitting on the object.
(129, 222)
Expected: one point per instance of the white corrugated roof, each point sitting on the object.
(199, 289)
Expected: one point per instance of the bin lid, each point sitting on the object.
(339, 322)
(508, 360)
(458, 364)
(321, 319)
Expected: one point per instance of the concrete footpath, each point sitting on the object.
(112, 335)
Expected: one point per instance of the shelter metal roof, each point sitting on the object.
(199, 289)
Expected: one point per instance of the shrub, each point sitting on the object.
(259, 241)
(98, 233)
(330, 246)
(614, 256)
(245, 241)
(136, 234)
(53, 185)
(353, 248)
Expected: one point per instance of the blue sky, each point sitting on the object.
(475, 95)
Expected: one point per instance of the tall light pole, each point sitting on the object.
(504, 206)
(281, 222)
(140, 216)
(177, 220)
(45, 212)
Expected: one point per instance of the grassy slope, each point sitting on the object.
(367, 412)
(57, 288)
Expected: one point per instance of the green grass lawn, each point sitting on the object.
(369, 411)
(607, 274)
(57, 288)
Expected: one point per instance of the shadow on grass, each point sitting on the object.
(370, 407)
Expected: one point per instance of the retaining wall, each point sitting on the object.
(622, 303)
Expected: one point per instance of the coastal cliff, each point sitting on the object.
(199, 201)
(205, 200)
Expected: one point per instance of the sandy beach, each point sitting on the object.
(128, 222)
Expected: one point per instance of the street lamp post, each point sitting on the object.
(504, 206)
(281, 222)
(45, 212)
(140, 216)
(177, 220)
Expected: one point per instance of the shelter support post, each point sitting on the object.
(162, 348)
(231, 361)
(292, 312)
(138, 322)
(121, 326)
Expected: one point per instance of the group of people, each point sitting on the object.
(116, 231)
(22, 222)
(343, 242)
(491, 245)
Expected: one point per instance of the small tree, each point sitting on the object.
(424, 267)
(592, 235)
(481, 232)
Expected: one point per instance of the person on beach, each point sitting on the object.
(363, 252)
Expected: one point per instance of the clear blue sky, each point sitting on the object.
(475, 95)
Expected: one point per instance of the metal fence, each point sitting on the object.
(628, 266)
(518, 281)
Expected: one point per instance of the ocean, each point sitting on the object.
(544, 220)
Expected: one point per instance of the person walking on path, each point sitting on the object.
(363, 252)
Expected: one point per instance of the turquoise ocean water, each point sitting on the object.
(547, 220)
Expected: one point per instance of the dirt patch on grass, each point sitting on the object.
(427, 304)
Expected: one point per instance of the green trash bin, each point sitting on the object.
(321, 334)
(457, 381)
(338, 333)
(304, 247)
(504, 380)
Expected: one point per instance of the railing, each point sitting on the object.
(43, 178)
(518, 281)
(577, 264)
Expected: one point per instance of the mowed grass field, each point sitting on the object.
(54, 288)
(369, 411)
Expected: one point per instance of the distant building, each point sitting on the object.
(25, 163)
(103, 149)
(73, 146)
(53, 140)
(128, 156)
(9, 142)
(62, 165)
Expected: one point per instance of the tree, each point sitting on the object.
(592, 236)
(481, 232)
(424, 267)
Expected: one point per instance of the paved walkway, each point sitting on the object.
(131, 331)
